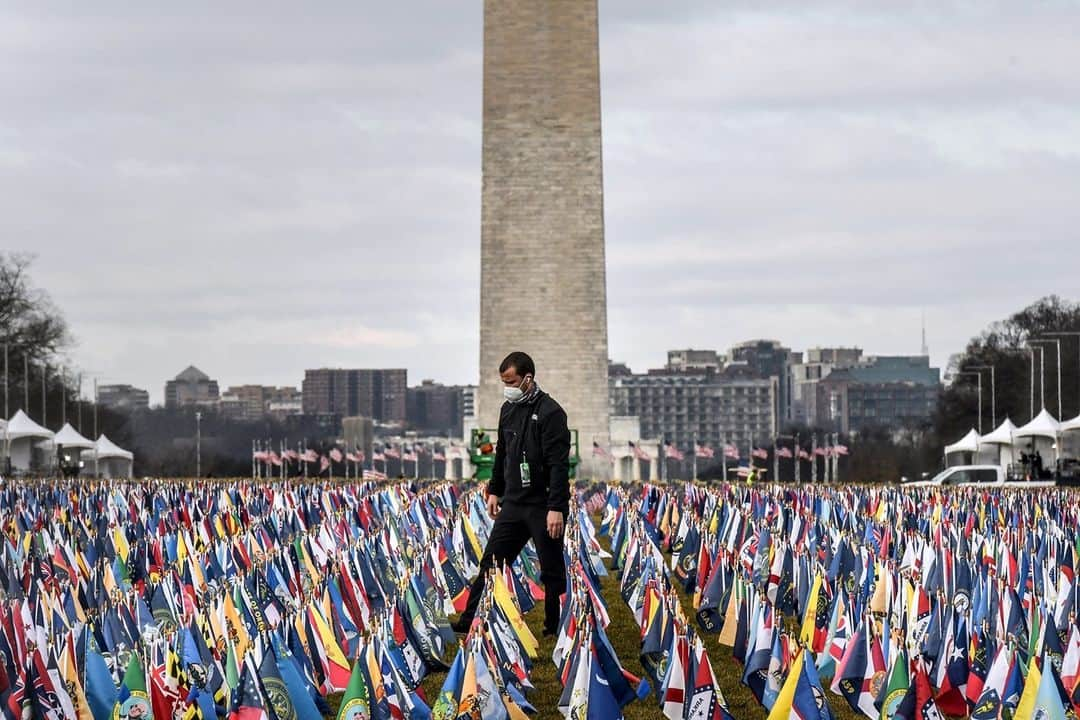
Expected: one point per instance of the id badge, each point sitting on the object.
(526, 476)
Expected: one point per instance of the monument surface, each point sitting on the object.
(542, 280)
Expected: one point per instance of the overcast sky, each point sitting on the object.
(260, 187)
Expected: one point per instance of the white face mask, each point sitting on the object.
(514, 394)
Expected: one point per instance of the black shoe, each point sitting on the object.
(461, 626)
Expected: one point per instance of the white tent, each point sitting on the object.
(1043, 431)
(1068, 425)
(112, 460)
(69, 439)
(1070, 437)
(967, 444)
(23, 435)
(998, 446)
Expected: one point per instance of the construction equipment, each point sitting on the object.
(482, 453)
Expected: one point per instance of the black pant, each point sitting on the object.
(514, 525)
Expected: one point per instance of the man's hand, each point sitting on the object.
(492, 505)
(555, 524)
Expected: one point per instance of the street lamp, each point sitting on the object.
(979, 376)
(1071, 333)
(993, 392)
(1058, 344)
(198, 444)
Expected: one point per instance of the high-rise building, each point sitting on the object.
(890, 392)
(123, 397)
(191, 387)
(435, 409)
(543, 288)
(805, 376)
(377, 394)
(768, 358)
(703, 406)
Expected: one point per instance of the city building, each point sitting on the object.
(377, 394)
(123, 397)
(732, 406)
(252, 402)
(468, 402)
(770, 359)
(435, 408)
(191, 387)
(805, 376)
(887, 391)
(694, 360)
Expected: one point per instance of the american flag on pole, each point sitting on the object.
(672, 452)
(803, 455)
(760, 453)
(439, 456)
(352, 457)
(409, 456)
(324, 463)
(638, 452)
(598, 451)
(732, 452)
(291, 455)
(820, 451)
(377, 457)
(261, 456)
(310, 456)
(704, 451)
(373, 475)
(392, 452)
(336, 455)
(274, 459)
(841, 449)
(783, 452)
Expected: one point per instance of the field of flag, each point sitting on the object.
(291, 599)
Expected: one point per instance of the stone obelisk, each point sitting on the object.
(542, 280)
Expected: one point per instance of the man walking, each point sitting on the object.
(529, 491)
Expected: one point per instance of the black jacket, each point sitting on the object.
(537, 429)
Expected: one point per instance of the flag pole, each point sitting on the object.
(695, 457)
(776, 459)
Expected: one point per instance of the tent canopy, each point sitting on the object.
(1073, 424)
(1042, 425)
(106, 448)
(1003, 435)
(968, 443)
(21, 426)
(69, 437)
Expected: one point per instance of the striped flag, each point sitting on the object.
(373, 475)
(841, 449)
(599, 451)
(783, 452)
(336, 455)
(732, 452)
(704, 451)
(392, 452)
(672, 452)
(638, 452)
(760, 453)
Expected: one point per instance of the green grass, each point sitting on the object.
(625, 639)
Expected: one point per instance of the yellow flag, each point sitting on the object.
(330, 643)
(781, 709)
(731, 617)
(502, 597)
(806, 635)
(877, 600)
(232, 615)
(1026, 708)
(120, 543)
(70, 673)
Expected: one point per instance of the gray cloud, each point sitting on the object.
(265, 187)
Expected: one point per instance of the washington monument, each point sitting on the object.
(542, 280)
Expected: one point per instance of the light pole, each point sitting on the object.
(1057, 343)
(198, 444)
(979, 376)
(993, 392)
(1042, 377)
(1071, 333)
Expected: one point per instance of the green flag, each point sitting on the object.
(355, 705)
(133, 701)
(898, 686)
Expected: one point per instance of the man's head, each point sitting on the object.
(517, 372)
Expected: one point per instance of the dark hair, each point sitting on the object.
(521, 363)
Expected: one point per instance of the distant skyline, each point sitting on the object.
(260, 188)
